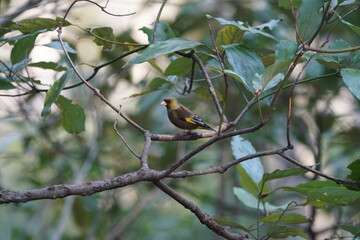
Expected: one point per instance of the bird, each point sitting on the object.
(182, 117)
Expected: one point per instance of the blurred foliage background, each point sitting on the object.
(36, 153)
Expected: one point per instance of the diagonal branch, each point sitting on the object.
(202, 216)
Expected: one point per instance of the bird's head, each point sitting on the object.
(170, 103)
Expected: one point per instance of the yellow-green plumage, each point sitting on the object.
(182, 117)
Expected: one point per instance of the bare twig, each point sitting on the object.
(211, 87)
(223, 168)
(222, 70)
(122, 138)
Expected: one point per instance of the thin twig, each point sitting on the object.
(122, 138)
(157, 21)
(210, 86)
(95, 90)
(222, 70)
(337, 180)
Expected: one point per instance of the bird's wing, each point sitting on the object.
(197, 121)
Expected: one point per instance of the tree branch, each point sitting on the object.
(203, 217)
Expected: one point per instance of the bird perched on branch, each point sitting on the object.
(182, 117)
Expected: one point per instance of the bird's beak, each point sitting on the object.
(163, 103)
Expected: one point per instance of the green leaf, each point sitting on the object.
(48, 65)
(252, 202)
(35, 24)
(141, 93)
(309, 18)
(351, 79)
(244, 62)
(230, 223)
(203, 92)
(229, 35)
(284, 173)
(269, 25)
(73, 115)
(332, 196)
(287, 3)
(22, 49)
(180, 66)
(282, 232)
(241, 25)
(54, 92)
(103, 33)
(157, 82)
(338, 45)
(354, 175)
(5, 28)
(153, 63)
(356, 29)
(5, 84)
(306, 188)
(285, 50)
(354, 230)
(285, 218)
(325, 59)
(240, 148)
(246, 182)
(162, 48)
(271, 76)
(163, 32)
(355, 57)
(57, 45)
